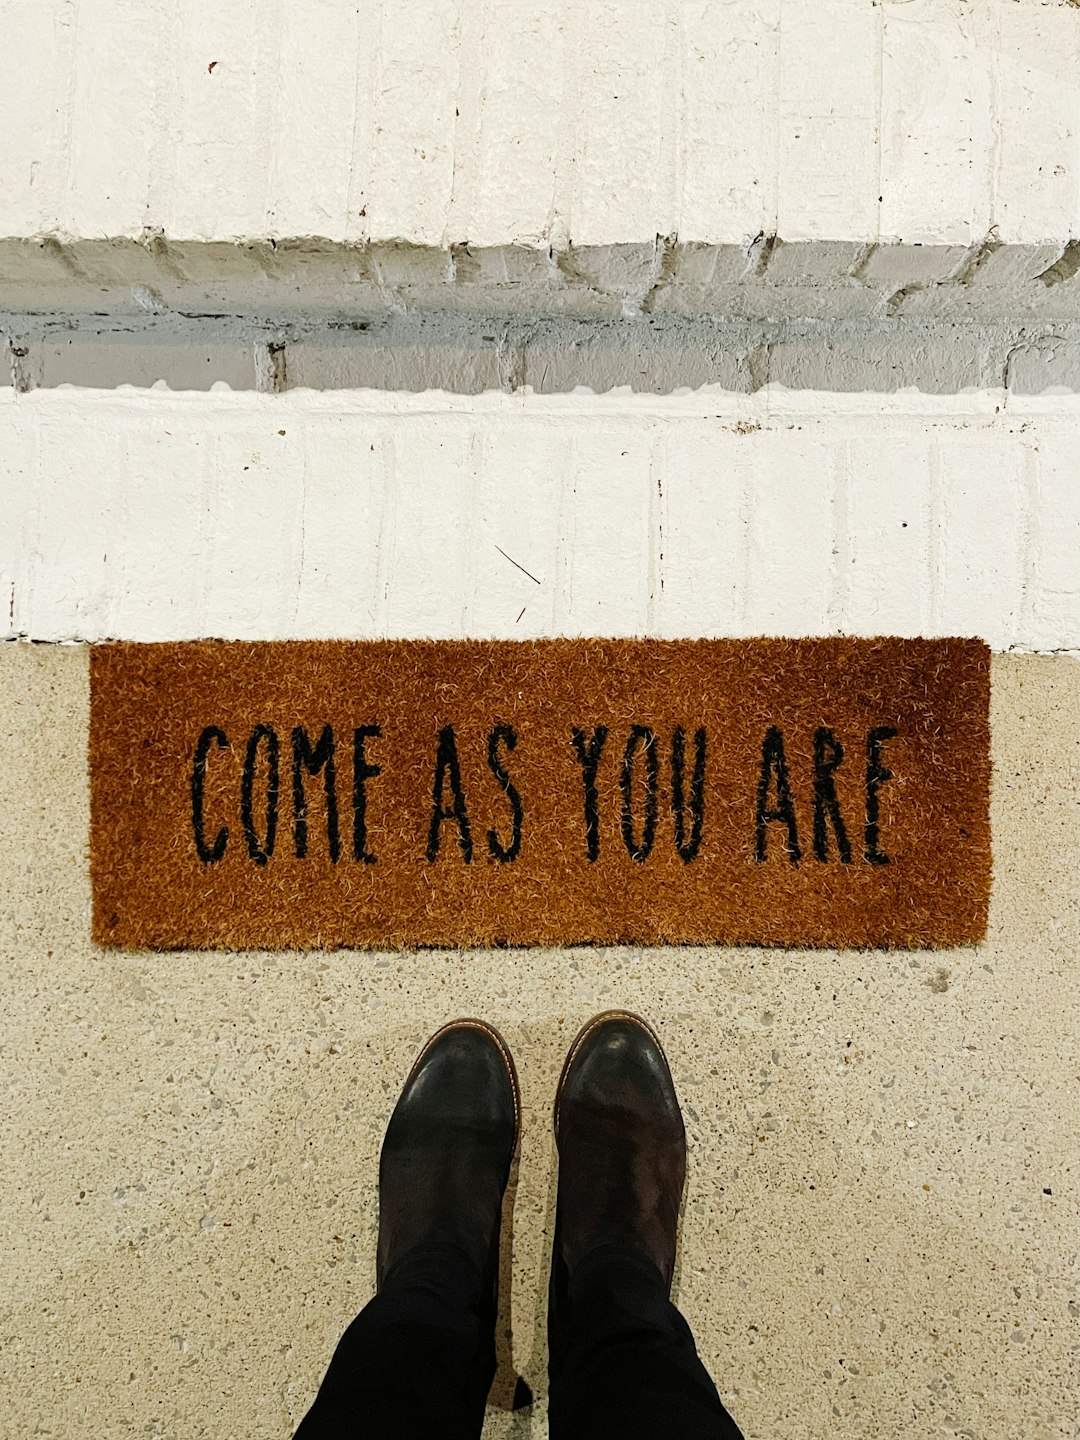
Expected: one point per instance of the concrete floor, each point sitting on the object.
(880, 1225)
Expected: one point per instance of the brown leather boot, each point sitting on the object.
(622, 1146)
(448, 1150)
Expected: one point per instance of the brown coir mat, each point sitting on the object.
(779, 792)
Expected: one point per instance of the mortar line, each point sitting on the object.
(839, 570)
(880, 120)
(355, 224)
(936, 502)
(477, 444)
(301, 507)
(745, 513)
(68, 112)
(271, 133)
(386, 450)
(1031, 485)
(656, 524)
(162, 156)
(565, 542)
(458, 88)
(564, 178)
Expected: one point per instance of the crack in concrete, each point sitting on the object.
(663, 270)
(974, 260)
(865, 255)
(758, 254)
(1068, 263)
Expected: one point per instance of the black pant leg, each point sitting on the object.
(418, 1360)
(622, 1359)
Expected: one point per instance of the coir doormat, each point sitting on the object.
(827, 792)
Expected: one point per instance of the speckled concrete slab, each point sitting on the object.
(879, 1230)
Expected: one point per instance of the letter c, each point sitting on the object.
(207, 853)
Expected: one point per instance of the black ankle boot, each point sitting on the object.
(622, 1147)
(448, 1150)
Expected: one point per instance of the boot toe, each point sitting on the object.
(465, 1076)
(617, 1063)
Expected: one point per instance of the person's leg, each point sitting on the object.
(622, 1359)
(419, 1359)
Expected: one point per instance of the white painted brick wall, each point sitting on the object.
(154, 515)
(530, 121)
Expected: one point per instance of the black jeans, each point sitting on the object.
(419, 1359)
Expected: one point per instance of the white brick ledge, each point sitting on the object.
(661, 316)
(154, 516)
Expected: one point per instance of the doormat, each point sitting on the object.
(294, 794)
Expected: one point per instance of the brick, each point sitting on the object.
(323, 105)
(410, 361)
(425, 527)
(414, 132)
(347, 508)
(119, 62)
(520, 474)
(706, 475)
(730, 85)
(1050, 366)
(790, 539)
(827, 117)
(606, 557)
(76, 536)
(1037, 55)
(180, 362)
(887, 554)
(981, 525)
(163, 530)
(35, 60)
(828, 170)
(213, 141)
(936, 127)
(1053, 621)
(254, 522)
(618, 97)
(524, 53)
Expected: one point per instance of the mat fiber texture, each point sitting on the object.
(830, 792)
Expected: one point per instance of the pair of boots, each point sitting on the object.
(420, 1358)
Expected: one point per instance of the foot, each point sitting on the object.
(448, 1149)
(622, 1146)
